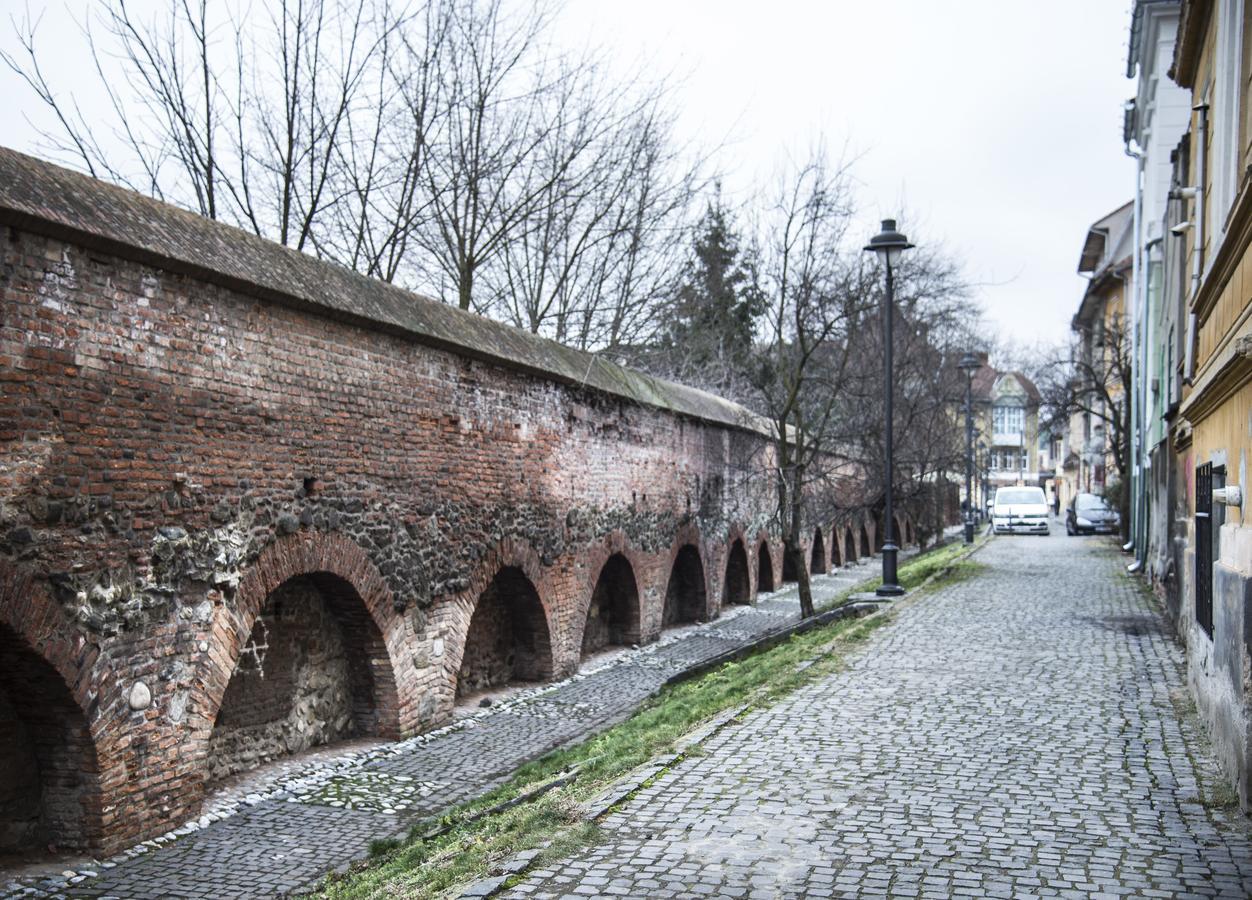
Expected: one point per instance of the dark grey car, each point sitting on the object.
(1091, 514)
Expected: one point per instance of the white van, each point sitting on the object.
(1020, 510)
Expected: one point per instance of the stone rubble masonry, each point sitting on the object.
(291, 688)
(195, 423)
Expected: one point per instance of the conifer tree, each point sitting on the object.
(715, 308)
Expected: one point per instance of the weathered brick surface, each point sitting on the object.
(176, 446)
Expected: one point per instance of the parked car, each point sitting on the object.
(1020, 510)
(1091, 514)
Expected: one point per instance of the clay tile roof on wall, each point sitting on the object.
(44, 198)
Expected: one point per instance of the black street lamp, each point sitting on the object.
(889, 244)
(969, 364)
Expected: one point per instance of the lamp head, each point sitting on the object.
(969, 363)
(889, 243)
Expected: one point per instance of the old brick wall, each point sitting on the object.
(190, 466)
(175, 451)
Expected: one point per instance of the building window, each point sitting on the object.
(1009, 419)
(1204, 547)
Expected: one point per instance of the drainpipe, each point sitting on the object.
(1132, 397)
(1135, 305)
(1202, 128)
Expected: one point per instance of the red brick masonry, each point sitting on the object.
(192, 417)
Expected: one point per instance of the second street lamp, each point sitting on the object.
(889, 244)
(984, 462)
(969, 364)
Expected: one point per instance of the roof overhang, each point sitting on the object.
(1139, 27)
(1191, 28)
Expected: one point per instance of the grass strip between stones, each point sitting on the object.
(541, 807)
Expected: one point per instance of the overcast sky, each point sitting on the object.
(995, 123)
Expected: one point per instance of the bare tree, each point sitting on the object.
(485, 171)
(381, 197)
(1091, 377)
(249, 125)
(813, 289)
(595, 252)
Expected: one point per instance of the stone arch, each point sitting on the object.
(789, 574)
(452, 619)
(849, 546)
(867, 548)
(686, 594)
(508, 639)
(51, 783)
(314, 608)
(613, 612)
(737, 585)
(764, 569)
(836, 549)
(590, 563)
(899, 532)
(49, 774)
(817, 555)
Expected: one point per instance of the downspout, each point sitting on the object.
(1137, 304)
(1202, 128)
(1129, 435)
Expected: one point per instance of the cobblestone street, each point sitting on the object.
(1017, 734)
(321, 815)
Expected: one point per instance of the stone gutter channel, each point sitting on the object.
(317, 816)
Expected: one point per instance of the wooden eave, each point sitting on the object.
(1234, 247)
(1224, 373)
(1191, 28)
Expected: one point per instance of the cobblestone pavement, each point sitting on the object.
(316, 818)
(1013, 735)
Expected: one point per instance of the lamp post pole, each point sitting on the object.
(969, 364)
(889, 244)
(984, 463)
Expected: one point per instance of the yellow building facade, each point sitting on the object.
(1212, 430)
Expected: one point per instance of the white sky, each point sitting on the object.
(995, 123)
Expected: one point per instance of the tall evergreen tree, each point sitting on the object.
(716, 307)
